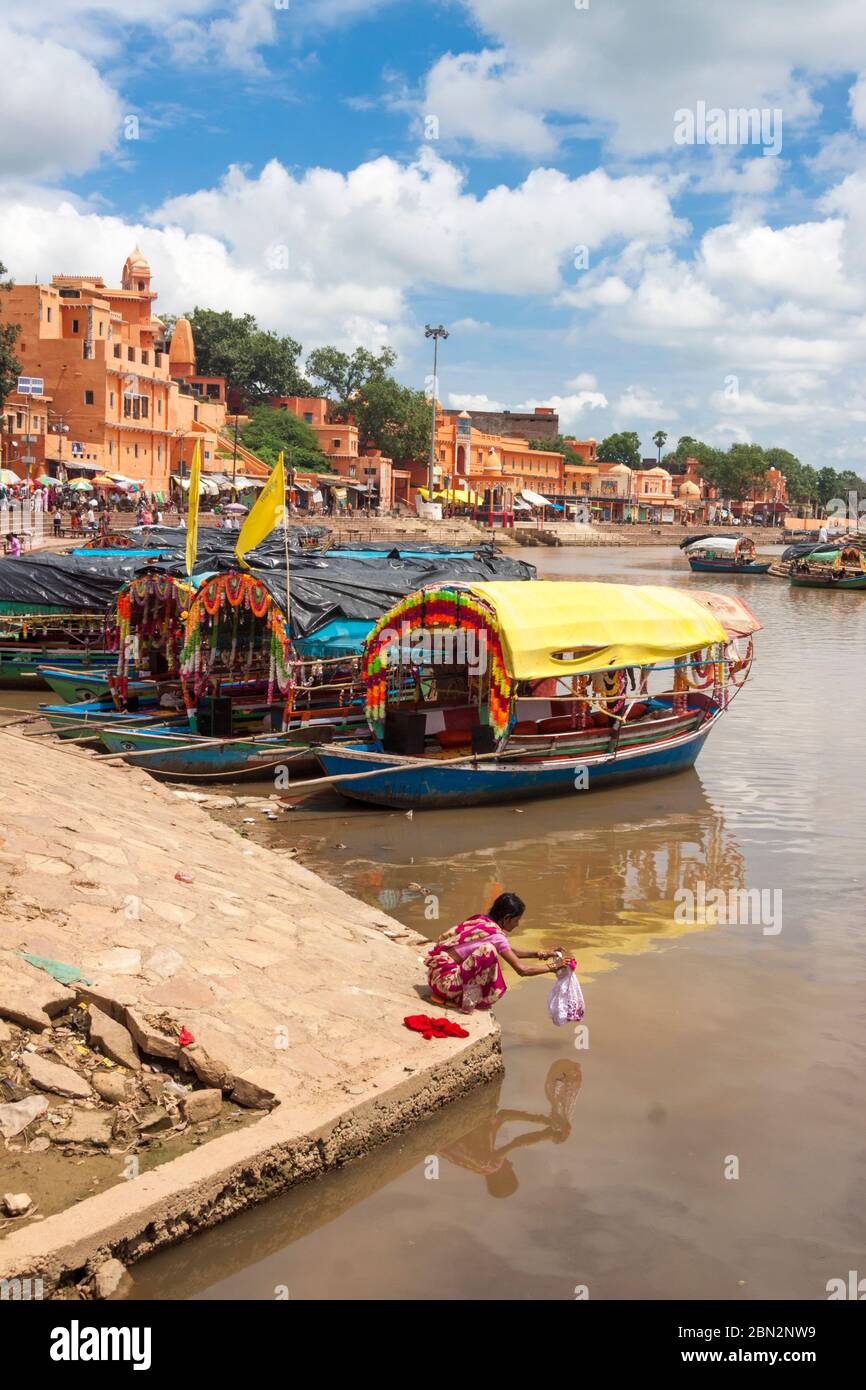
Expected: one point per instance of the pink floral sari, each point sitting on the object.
(474, 981)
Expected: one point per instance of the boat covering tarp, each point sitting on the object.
(725, 545)
(82, 583)
(705, 536)
(735, 616)
(599, 625)
(328, 589)
(323, 588)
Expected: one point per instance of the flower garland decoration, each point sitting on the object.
(432, 609)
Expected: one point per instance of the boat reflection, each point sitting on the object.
(599, 878)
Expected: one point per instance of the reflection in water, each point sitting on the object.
(706, 1041)
(479, 1150)
(599, 884)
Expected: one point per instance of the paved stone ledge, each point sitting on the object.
(294, 992)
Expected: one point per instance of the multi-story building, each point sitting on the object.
(100, 352)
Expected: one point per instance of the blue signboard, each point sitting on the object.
(31, 386)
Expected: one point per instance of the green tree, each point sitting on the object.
(342, 375)
(736, 471)
(270, 430)
(393, 418)
(255, 363)
(621, 448)
(9, 363)
(660, 439)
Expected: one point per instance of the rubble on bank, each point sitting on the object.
(220, 1023)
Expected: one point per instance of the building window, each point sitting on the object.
(110, 448)
(130, 354)
(308, 416)
(144, 407)
(101, 326)
(111, 399)
(135, 450)
(159, 406)
(117, 349)
(50, 311)
(19, 420)
(159, 453)
(88, 398)
(144, 357)
(75, 325)
(336, 444)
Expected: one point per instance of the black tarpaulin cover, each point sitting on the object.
(326, 588)
(323, 588)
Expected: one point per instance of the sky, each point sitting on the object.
(566, 185)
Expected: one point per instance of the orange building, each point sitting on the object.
(25, 440)
(100, 351)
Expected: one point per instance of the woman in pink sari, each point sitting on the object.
(463, 965)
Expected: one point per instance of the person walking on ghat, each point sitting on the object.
(463, 965)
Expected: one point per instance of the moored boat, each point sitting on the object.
(724, 555)
(834, 567)
(494, 692)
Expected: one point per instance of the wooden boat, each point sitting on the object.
(76, 720)
(835, 567)
(494, 692)
(172, 752)
(29, 640)
(724, 555)
(76, 685)
(22, 665)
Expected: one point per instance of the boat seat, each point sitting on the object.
(454, 738)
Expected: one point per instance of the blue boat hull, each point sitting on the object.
(727, 567)
(405, 783)
(177, 754)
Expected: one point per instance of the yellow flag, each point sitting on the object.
(192, 511)
(268, 512)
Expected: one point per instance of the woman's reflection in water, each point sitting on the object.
(477, 1150)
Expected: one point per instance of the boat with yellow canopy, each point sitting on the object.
(495, 692)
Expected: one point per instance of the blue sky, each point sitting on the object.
(348, 171)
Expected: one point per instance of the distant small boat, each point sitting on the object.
(836, 567)
(724, 555)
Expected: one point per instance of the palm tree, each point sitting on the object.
(659, 439)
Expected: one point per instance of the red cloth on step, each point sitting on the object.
(434, 1027)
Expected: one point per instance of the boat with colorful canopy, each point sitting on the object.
(834, 567)
(494, 692)
(724, 555)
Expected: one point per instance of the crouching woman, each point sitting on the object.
(463, 967)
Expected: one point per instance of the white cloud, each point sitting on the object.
(466, 401)
(569, 408)
(639, 403)
(386, 222)
(543, 68)
(56, 112)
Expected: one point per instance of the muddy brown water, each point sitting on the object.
(704, 1138)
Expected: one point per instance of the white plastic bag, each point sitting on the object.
(565, 1001)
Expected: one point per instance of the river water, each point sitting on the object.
(703, 1137)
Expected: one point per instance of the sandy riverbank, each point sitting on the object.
(293, 991)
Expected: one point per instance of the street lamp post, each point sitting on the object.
(435, 334)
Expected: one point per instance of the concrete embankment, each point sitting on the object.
(293, 992)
